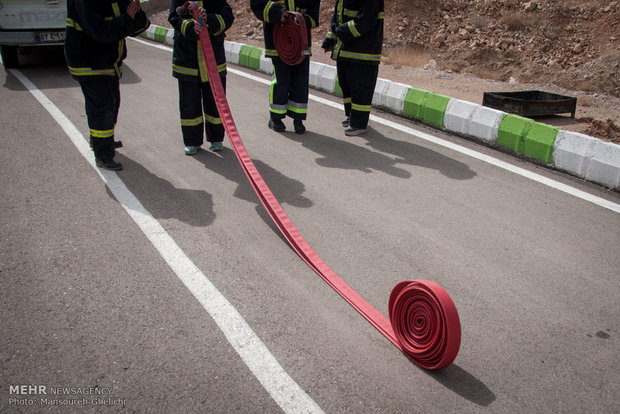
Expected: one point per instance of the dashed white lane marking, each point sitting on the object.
(280, 386)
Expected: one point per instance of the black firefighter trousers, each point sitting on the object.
(289, 89)
(194, 98)
(357, 81)
(102, 100)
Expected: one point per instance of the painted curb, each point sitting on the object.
(484, 123)
(511, 132)
(458, 116)
(395, 96)
(413, 103)
(586, 157)
(434, 109)
(322, 77)
(539, 142)
(232, 52)
(603, 166)
(379, 95)
(265, 66)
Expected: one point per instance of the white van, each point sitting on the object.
(26, 23)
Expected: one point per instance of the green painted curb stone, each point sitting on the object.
(244, 55)
(254, 57)
(434, 109)
(539, 142)
(414, 102)
(337, 88)
(160, 34)
(511, 132)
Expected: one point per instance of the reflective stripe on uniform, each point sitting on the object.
(312, 21)
(192, 122)
(271, 52)
(202, 67)
(213, 120)
(296, 107)
(184, 24)
(278, 109)
(121, 43)
(222, 25)
(91, 72)
(353, 29)
(184, 71)
(97, 133)
(360, 108)
(349, 13)
(74, 24)
(360, 56)
(353, 13)
(268, 7)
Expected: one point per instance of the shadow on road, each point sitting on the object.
(464, 384)
(162, 199)
(286, 190)
(408, 153)
(340, 153)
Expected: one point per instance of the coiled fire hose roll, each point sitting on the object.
(424, 323)
(291, 39)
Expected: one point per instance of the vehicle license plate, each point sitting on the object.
(46, 37)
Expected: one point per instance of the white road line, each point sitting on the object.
(280, 386)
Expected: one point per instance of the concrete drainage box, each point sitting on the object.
(530, 103)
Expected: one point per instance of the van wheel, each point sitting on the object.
(9, 56)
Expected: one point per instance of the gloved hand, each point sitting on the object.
(202, 14)
(328, 44)
(183, 9)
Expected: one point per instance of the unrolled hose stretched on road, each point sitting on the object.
(424, 323)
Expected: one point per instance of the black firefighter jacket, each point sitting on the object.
(270, 12)
(95, 39)
(356, 31)
(187, 58)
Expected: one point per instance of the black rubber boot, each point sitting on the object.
(276, 124)
(117, 144)
(299, 126)
(104, 154)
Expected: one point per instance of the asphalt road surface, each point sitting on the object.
(166, 288)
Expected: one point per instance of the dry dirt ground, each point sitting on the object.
(463, 48)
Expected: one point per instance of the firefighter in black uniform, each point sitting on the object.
(94, 50)
(289, 87)
(188, 67)
(355, 39)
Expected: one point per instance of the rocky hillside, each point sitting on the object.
(572, 43)
(575, 44)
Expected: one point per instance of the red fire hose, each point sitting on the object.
(424, 322)
(291, 39)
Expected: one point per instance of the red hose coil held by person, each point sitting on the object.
(291, 39)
